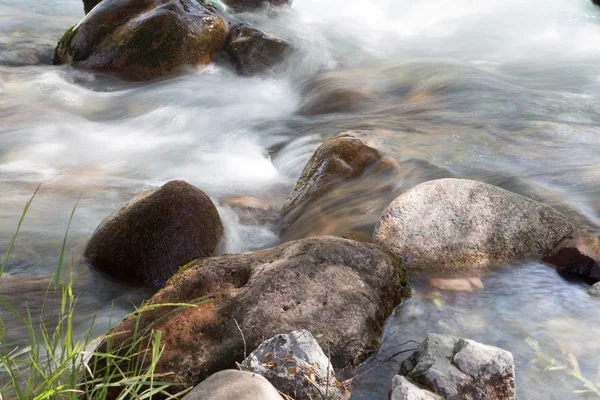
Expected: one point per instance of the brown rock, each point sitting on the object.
(254, 51)
(149, 238)
(143, 39)
(340, 290)
(344, 157)
(578, 254)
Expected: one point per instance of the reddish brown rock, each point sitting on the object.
(339, 290)
(578, 254)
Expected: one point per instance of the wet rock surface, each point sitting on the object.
(254, 51)
(578, 254)
(345, 157)
(149, 238)
(307, 284)
(143, 39)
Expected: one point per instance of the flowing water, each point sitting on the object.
(503, 91)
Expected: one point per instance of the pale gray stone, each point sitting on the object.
(457, 223)
(594, 290)
(234, 385)
(461, 369)
(404, 389)
(296, 365)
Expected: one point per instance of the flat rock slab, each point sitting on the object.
(459, 224)
(234, 385)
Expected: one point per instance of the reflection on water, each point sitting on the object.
(558, 312)
(504, 91)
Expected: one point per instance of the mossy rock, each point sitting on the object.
(143, 39)
(340, 290)
(343, 158)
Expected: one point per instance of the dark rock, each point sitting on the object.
(296, 365)
(339, 290)
(149, 238)
(458, 224)
(143, 39)
(461, 369)
(344, 157)
(234, 385)
(88, 5)
(254, 51)
(251, 5)
(578, 254)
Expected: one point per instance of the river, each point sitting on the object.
(502, 91)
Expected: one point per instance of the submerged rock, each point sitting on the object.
(234, 385)
(149, 238)
(308, 284)
(296, 365)
(594, 290)
(254, 51)
(335, 92)
(251, 211)
(578, 254)
(457, 224)
(459, 369)
(143, 39)
(344, 157)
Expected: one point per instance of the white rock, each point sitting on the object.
(234, 385)
(404, 389)
(459, 224)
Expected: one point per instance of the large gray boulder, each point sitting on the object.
(234, 385)
(461, 369)
(457, 224)
(150, 237)
(296, 365)
(242, 299)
